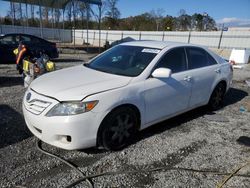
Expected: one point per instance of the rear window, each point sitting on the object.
(198, 58)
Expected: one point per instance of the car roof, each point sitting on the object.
(157, 44)
(23, 34)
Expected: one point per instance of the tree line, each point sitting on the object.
(76, 13)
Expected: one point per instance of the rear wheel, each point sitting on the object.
(118, 128)
(217, 97)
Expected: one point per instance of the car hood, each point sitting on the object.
(76, 83)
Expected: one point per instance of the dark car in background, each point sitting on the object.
(9, 42)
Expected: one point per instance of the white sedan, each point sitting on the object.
(123, 90)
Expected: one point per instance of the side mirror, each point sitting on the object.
(162, 73)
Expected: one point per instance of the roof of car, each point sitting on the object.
(13, 34)
(156, 44)
(23, 34)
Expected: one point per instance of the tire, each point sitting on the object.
(118, 129)
(217, 97)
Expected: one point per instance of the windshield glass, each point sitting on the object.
(124, 60)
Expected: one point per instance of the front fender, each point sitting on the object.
(109, 100)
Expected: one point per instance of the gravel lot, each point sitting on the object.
(196, 140)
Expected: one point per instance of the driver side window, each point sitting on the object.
(174, 60)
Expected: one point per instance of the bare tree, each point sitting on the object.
(112, 14)
(57, 16)
(32, 11)
(68, 11)
(82, 11)
(21, 13)
(75, 11)
(14, 12)
(45, 15)
(112, 11)
(103, 10)
(158, 16)
(184, 21)
(182, 12)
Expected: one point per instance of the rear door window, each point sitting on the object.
(174, 60)
(197, 58)
(211, 60)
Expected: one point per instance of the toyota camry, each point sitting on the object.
(126, 89)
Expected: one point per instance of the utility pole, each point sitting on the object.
(221, 34)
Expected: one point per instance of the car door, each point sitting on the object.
(168, 96)
(203, 71)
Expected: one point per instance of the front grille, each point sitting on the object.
(36, 106)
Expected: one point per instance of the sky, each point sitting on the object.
(229, 12)
(235, 12)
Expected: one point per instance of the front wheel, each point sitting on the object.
(118, 128)
(217, 97)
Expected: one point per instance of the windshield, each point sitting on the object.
(124, 60)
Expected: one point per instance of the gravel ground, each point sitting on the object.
(198, 140)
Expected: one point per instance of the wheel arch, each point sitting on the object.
(128, 105)
(223, 81)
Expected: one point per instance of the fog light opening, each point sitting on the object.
(68, 138)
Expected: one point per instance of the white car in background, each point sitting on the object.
(127, 88)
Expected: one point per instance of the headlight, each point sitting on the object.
(71, 108)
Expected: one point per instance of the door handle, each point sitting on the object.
(217, 70)
(188, 78)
